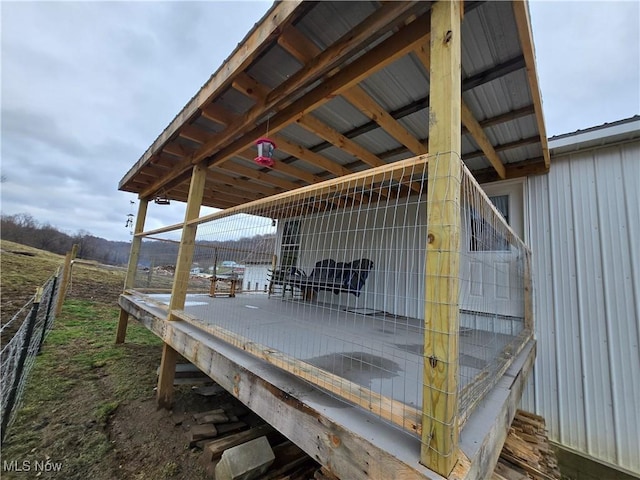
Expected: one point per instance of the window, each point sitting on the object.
(290, 244)
(484, 236)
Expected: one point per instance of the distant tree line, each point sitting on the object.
(23, 228)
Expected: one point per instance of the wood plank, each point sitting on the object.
(218, 114)
(305, 50)
(382, 55)
(393, 171)
(250, 87)
(195, 134)
(310, 157)
(277, 18)
(440, 433)
(470, 122)
(279, 166)
(331, 135)
(132, 267)
(521, 12)
(259, 176)
(180, 282)
(370, 108)
(221, 178)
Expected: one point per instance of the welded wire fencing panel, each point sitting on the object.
(338, 282)
(344, 270)
(30, 327)
(492, 292)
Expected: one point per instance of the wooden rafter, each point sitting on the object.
(218, 114)
(276, 19)
(284, 168)
(521, 12)
(219, 177)
(305, 50)
(331, 135)
(259, 176)
(386, 52)
(250, 87)
(468, 120)
(195, 134)
(307, 155)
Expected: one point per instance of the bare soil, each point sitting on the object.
(90, 405)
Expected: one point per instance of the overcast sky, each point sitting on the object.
(87, 87)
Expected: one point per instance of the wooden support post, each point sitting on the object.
(66, 277)
(132, 269)
(439, 449)
(181, 281)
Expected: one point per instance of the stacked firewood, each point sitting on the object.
(526, 453)
(216, 431)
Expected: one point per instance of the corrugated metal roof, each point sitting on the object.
(495, 84)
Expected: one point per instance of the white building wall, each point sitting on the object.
(584, 232)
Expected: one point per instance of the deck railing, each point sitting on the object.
(361, 334)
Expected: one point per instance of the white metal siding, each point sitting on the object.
(585, 237)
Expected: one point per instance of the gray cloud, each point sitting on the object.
(88, 86)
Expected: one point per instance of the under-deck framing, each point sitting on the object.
(201, 158)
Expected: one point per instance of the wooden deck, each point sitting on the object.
(349, 440)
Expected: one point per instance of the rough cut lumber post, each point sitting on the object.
(66, 277)
(439, 448)
(134, 255)
(181, 281)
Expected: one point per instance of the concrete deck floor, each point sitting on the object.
(375, 350)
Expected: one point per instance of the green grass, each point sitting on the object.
(77, 383)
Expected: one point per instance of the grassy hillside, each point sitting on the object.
(90, 404)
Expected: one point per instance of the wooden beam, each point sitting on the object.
(305, 50)
(521, 12)
(277, 18)
(310, 157)
(175, 149)
(218, 114)
(382, 55)
(470, 122)
(397, 171)
(181, 280)
(218, 177)
(439, 450)
(195, 134)
(132, 267)
(370, 108)
(250, 87)
(324, 131)
(260, 176)
(284, 168)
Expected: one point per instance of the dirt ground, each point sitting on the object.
(90, 405)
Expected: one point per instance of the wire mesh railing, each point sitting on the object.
(344, 263)
(29, 327)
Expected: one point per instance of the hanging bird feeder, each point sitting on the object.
(266, 146)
